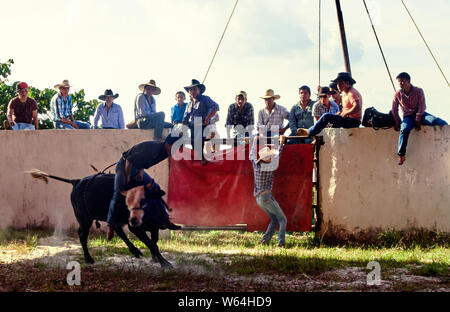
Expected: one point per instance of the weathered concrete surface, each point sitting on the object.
(65, 153)
(363, 191)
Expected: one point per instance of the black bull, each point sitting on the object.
(90, 201)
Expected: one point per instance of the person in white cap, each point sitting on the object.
(263, 169)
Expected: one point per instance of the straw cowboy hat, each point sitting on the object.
(108, 92)
(64, 83)
(196, 83)
(267, 154)
(152, 84)
(270, 94)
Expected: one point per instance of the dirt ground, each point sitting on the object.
(44, 269)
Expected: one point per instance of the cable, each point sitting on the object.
(220, 41)
(429, 50)
(379, 46)
(320, 22)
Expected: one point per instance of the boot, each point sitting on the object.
(173, 226)
(109, 233)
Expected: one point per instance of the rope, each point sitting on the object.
(429, 50)
(320, 22)
(220, 41)
(379, 46)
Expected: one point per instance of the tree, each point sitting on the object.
(82, 109)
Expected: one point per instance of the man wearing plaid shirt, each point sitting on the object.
(240, 117)
(412, 102)
(263, 169)
(271, 118)
(61, 108)
(324, 105)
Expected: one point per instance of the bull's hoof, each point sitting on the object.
(89, 260)
(137, 253)
(164, 263)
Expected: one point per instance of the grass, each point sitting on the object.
(232, 253)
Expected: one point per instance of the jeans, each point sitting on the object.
(120, 183)
(197, 136)
(337, 121)
(81, 124)
(154, 121)
(408, 124)
(22, 126)
(277, 217)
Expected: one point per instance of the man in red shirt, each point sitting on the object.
(22, 111)
(411, 100)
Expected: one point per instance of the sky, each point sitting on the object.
(109, 44)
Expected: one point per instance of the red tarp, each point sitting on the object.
(221, 193)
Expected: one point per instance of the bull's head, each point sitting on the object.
(136, 203)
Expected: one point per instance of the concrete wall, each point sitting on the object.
(363, 190)
(65, 153)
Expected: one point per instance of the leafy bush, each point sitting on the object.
(82, 109)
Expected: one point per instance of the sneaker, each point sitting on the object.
(109, 233)
(7, 125)
(282, 245)
(401, 160)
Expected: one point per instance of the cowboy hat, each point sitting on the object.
(325, 91)
(108, 92)
(267, 154)
(196, 83)
(345, 77)
(152, 84)
(270, 94)
(64, 83)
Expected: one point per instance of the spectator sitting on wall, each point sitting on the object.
(349, 117)
(301, 113)
(61, 108)
(198, 114)
(411, 100)
(177, 111)
(335, 95)
(271, 118)
(22, 111)
(110, 113)
(324, 105)
(145, 113)
(240, 117)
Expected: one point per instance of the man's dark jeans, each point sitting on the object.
(337, 121)
(154, 121)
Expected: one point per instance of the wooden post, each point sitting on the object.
(343, 38)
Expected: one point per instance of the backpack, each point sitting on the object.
(375, 119)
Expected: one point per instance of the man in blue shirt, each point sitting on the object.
(110, 113)
(198, 114)
(61, 108)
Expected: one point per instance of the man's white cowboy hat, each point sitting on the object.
(152, 84)
(266, 154)
(270, 94)
(65, 83)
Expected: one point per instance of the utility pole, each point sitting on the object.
(343, 38)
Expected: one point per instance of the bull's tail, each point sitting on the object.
(38, 174)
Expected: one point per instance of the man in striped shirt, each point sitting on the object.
(61, 108)
(271, 118)
(411, 100)
(263, 169)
